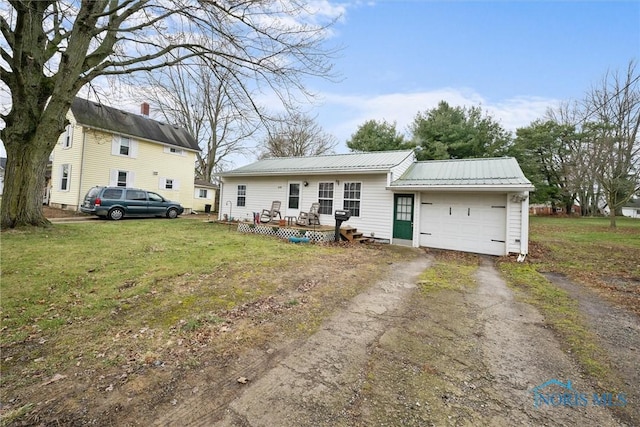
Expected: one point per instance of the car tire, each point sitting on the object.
(116, 214)
(172, 213)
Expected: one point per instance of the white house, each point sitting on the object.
(110, 147)
(632, 209)
(473, 205)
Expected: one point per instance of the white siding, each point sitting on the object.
(514, 224)
(71, 156)
(376, 203)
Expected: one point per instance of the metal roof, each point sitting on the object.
(376, 161)
(489, 172)
(95, 115)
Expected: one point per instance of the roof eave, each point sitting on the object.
(140, 138)
(509, 187)
(351, 171)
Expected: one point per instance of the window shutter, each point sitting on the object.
(133, 149)
(70, 136)
(131, 179)
(176, 184)
(113, 177)
(196, 193)
(115, 147)
(162, 183)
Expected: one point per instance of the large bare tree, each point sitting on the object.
(50, 49)
(614, 108)
(296, 135)
(216, 109)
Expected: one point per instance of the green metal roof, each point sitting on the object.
(377, 161)
(490, 172)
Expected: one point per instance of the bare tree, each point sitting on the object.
(51, 49)
(615, 105)
(297, 135)
(211, 105)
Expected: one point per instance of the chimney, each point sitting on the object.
(144, 109)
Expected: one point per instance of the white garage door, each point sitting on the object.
(464, 222)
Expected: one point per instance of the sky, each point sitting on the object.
(514, 59)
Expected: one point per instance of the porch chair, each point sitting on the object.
(310, 218)
(267, 215)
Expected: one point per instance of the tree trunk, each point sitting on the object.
(612, 212)
(24, 186)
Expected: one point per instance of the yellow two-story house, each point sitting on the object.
(110, 147)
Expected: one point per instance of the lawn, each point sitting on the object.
(121, 296)
(587, 251)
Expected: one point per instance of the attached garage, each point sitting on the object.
(470, 205)
(464, 222)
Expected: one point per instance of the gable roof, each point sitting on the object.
(202, 183)
(98, 116)
(490, 173)
(377, 161)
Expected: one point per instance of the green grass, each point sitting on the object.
(587, 251)
(107, 293)
(450, 271)
(77, 272)
(562, 314)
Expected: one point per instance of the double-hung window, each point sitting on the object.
(242, 195)
(351, 198)
(325, 198)
(124, 146)
(65, 177)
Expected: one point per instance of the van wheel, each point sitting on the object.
(116, 214)
(172, 213)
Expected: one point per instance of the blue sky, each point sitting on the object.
(512, 58)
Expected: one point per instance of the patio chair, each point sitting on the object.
(310, 218)
(267, 215)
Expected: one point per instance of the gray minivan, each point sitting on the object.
(118, 202)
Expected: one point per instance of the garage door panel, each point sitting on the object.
(465, 222)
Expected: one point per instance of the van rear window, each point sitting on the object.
(112, 193)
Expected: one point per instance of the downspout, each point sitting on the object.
(524, 228)
(220, 197)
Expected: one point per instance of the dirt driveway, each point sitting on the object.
(397, 356)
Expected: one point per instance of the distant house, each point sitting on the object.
(632, 209)
(3, 166)
(204, 196)
(472, 205)
(107, 146)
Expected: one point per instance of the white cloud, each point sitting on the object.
(341, 115)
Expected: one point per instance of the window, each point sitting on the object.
(122, 179)
(65, 176)
(242, 195)
(155, 197)
(136, 195)
(112, 193)
(294, 195)
(68, 137)
(202, 193)
(168, 184)
(173, 150)
(124, 146)
(352, 197)
(404, 206)
(325, 197)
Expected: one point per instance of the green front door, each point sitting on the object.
(403, 216)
